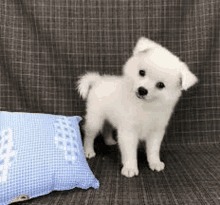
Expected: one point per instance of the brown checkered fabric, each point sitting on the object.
(46, 44)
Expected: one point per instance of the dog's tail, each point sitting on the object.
(85, 82)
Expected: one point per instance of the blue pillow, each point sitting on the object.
(40, 153)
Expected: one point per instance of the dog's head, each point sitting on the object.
(157, 74)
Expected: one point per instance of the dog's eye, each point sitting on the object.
(160, 85)
(142, 73)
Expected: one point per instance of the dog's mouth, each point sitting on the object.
(146, 99)
(139, 96)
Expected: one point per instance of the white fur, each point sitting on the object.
(116, 99)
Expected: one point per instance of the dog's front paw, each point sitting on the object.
(159, 166)
(129, 171)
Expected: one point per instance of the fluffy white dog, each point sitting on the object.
(138, 104)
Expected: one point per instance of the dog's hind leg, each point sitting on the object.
(92, 127)
(108, 134)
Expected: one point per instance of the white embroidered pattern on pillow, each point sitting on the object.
(65, 138)
(7, 153)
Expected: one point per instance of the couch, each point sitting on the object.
(46, 45)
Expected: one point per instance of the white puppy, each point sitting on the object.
(138, 104)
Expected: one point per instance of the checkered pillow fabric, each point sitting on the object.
(40, 153)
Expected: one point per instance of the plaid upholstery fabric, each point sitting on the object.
(46, 44)
(191, 177)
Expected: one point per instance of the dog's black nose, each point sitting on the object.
(142, 91)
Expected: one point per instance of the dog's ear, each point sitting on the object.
(188, 79)
(144, 44)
